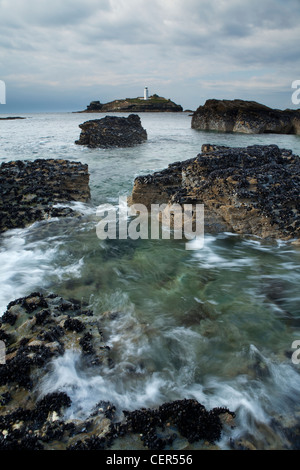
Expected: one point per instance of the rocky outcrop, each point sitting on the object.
(253, 190)
(11, 118)
(112, 131)
(29, 190)
(39, 328)
(155, 103)
(247, 117)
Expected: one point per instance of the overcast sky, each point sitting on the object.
(59, 55)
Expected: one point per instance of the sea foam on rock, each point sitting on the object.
(39, 328)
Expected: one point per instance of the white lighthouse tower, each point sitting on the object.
(146, 94)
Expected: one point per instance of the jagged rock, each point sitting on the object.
(155, 103)
(112, 131)
(253, 190)
(30, 189)
(246, 117)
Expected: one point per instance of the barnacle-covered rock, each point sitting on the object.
(253, 190)
(112, 131)
(30, 190)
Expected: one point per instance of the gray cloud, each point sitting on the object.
(74, 45)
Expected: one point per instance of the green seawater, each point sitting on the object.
(216, 324)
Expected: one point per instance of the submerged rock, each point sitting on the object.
(29, 190)
(253, 190)
(246, 117)
(112, 131)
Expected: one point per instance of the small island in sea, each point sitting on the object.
(153, 103)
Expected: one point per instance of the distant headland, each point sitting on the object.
(144, 104)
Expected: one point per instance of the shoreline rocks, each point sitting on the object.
(30, 189)
(41, 327)
(247, 117)
(155, 103)
(112, 131)
(253, 190)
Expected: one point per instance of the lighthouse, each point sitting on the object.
(146, 95)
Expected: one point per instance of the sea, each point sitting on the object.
(218, 324)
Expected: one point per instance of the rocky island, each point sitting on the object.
(112, 131)
(152, 104)
(248, 117)
(29, 190)
(253, 190)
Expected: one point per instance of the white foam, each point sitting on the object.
(26, 266)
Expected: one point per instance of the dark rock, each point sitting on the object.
(33, 340)
(189, 417)
(9, 318)
(86, 344)
(95, 106)
(112, 131)
(253, 190)
(42, 330)
(72, 324)
(11, 118)
(52, 402)
(245, 116)
(29, 190)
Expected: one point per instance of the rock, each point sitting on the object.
(94, 106)
(189, 418)
(253, 190)
(112, 131)
(155, 103)
(31, 423)
(246, 117)
(30, 189)
(11, 118)
(39, 334)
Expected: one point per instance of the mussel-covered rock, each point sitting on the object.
(30, 190)
(253, 190)
(112, 131)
